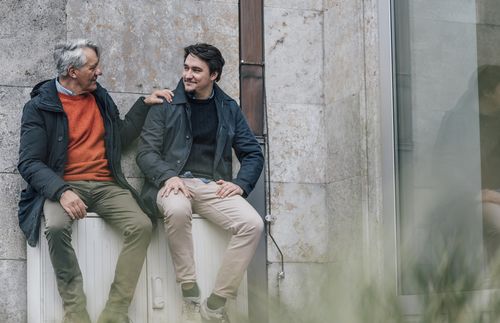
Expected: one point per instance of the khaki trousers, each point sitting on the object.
(234, 214)
(117, 207)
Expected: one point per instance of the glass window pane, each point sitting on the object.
(448, 142)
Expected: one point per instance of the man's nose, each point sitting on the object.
(98, 71)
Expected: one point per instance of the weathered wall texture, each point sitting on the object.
(294, 42)
(322, 101)
(28, 31)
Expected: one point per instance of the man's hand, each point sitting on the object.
(490, 196)
(73, 205)
(155, 97)
(175, 184)
(227, 189)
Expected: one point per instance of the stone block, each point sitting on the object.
(294, 56)
(344, 203)
(297, 143)
(28, 32)
(13, 286)
(371, 105)
(333, 292)
(374, 213)
(344, 52)
(12, 100)
(129, 166)
(13, 244)
(344, 134)
(301, 226)
(370, 116)
(124, 101)
(300, 296)
(143, 46)
(136, 183)
(294, 4)
(374, 180)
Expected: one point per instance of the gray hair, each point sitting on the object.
(71, 53)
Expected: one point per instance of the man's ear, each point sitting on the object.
(214, 75)
(71, 72)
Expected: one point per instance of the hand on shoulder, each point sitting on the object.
(156, 97)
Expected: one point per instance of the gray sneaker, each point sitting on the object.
(213, 316)
(191, 309)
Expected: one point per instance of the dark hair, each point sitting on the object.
(488, 78)
(209, 54)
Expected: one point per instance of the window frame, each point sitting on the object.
(411, 305)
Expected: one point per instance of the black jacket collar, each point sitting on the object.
(46, 91)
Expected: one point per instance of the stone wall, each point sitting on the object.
(323, 108)
(295, 76)
(322, 105)
(28, 32)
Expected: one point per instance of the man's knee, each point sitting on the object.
(177, 213)
(254, 225)
(141, 226)
(258, 225)
(56, 219)
(58, 231)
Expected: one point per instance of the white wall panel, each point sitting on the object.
(157, 297)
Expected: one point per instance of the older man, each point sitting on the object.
(71, 142)
(185, 151)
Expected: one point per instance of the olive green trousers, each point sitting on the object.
(119, 209)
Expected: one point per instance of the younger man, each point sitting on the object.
(185, 151)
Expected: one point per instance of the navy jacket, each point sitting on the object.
(166, 140)
(44, 143)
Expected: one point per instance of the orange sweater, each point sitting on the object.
(86, 160)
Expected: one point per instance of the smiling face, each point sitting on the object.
(85, 77)
(197, 78)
